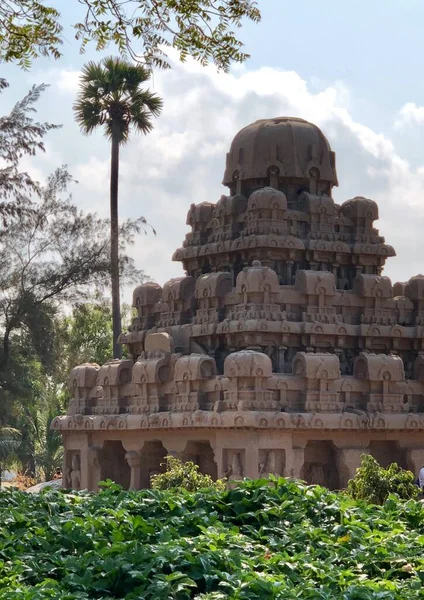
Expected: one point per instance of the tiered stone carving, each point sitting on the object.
(283, 350)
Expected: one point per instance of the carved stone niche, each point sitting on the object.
(234, 464)
(414, 290)
(145, 297)
(210, 293)
(153, 369)
(199, 216)
(384, 375)
(258, 285)
(361, 212)
(176, 307)
(271, 462)
(318, 287)
(72, 470)
(248, 373)
(404, 310)
(191, 373)
(114, 386)
(419, 367)
(321, 209)
(374, 289)
(82, 383)
(265, 212)
(320, 372)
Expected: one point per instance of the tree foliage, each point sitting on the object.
(112, 95)
(184, 474)
(86, 334)
(53, 255)
(20, 136)
(374, 484)
(140, 29)
(83, 335)
(53, 258)
(9, 443)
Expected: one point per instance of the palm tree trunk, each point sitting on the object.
(114, 244)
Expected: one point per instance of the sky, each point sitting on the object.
(352, 68)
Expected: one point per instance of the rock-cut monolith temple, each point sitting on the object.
(283, 350)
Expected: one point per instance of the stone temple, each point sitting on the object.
(283, 350)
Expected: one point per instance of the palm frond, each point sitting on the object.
(111, 96)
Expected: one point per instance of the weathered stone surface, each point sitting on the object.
(283, 350)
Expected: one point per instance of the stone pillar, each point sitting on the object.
(134, 461)
(282, 358)
(251, 464)
(348, 460)
(219, 459)
(66, 468)
(335, 270)
(415, 459)
(295, 458)
(289, 272)
(85, 469)
(273, 177)
(175, 447)
(95, 472)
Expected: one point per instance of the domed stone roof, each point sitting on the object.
(293, 146)
(267, 198)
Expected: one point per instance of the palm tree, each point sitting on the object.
(111, 96)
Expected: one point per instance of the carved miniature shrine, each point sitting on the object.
(283, 350)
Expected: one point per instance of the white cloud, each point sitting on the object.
(67, 82)
(182, 160)
(410, 114)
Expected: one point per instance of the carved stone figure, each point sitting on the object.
(235, 472)
(75, 474)
(269, 466)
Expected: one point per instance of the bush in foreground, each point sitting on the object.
(275, 540)
(179, 474)
(373, 483)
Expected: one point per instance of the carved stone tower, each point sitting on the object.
(283, 350)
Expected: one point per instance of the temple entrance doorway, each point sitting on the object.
(387, 452)
(113, 464)
(201, 454)
(152, 461)
(320, 465)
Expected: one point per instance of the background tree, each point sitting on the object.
(140, 29)
(111, 96)
(83, 335)
(53, 259)
(54, 255)
(20, 136)
(9, 442)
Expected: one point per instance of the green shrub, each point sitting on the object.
(373, 483)
(274, 540)
(185, 475)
